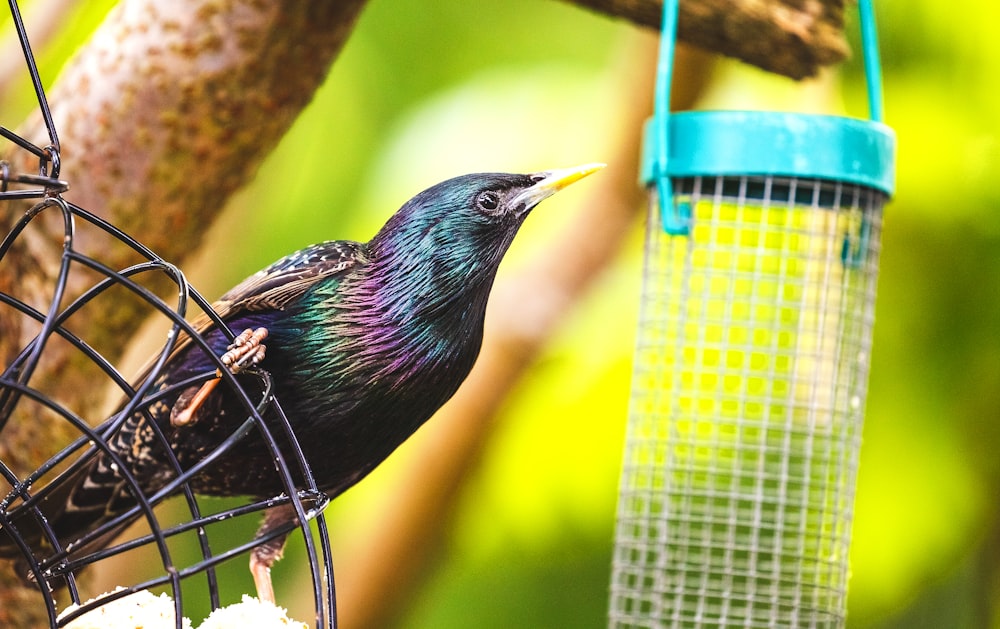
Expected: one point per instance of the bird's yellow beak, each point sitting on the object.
(551, 181)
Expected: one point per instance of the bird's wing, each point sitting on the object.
(289, 278)
(276, 286)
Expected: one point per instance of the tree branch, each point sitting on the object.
(795, 38)
(168, 110)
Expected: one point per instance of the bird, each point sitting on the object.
(363, 342)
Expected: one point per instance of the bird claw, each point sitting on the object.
(244, 352)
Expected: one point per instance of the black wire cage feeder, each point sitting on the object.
(55, 346)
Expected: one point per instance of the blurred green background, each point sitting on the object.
(424, 91)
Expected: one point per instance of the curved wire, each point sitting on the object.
(36, 82)
(15, 383)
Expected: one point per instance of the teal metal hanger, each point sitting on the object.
(763, 143)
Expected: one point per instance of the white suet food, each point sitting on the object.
(140, 610)
(251, 613)
(144, 610)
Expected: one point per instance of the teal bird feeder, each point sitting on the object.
(752, 359)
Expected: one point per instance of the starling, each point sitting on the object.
(364, 342)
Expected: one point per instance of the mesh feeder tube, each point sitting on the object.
(751, 367)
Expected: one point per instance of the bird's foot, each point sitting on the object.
(261, 559)
(246, 350)
(263, 556)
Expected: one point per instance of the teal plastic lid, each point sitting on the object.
(749, 143)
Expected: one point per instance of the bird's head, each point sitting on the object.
(443, 246)
(464, 225)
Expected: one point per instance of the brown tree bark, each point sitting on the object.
(168, 110)
(795, 38)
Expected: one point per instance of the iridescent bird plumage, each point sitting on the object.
(365, 341)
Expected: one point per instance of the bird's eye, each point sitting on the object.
(488, 201)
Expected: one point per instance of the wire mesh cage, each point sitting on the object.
(751, 368)
(62, 352)
(736, 499)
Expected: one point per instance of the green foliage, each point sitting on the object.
(50, 53)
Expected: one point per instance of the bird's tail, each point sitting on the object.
(54, 522)
(22, 528)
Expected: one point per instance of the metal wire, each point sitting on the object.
(748, 394)
(49, 325)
